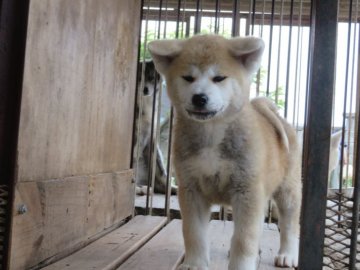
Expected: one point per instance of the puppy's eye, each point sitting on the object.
(217, 79)
(189, 78)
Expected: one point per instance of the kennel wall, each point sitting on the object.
(72, 155)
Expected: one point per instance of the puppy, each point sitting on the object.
(228, 150)
(144, 110)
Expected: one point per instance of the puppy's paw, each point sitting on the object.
(286, 260)
(191, 267)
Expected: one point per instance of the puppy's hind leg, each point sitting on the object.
(195, 213)
(288, 200)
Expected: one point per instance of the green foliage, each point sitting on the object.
(276, 95)
(144, 52)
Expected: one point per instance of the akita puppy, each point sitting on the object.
(228, 150)
(143, 134)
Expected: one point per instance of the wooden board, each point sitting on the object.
(64, 213)
(220, 233)
(163, 252)
(79, 88)
(114, 248)
(269, 247)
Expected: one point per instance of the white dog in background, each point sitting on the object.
(228, 150)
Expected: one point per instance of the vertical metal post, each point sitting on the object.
(13, 29)
(289, 58)
(253, 17)
(197, 27)
(235, 28)
(270, 46)
(217, 11)
(171, 123)
(317, 132)
(356, 203)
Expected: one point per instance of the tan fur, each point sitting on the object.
(241, 155)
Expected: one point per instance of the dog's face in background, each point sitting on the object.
(151, 81)
(211, 80)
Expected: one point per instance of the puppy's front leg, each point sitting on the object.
(195, 212)
(248, 219)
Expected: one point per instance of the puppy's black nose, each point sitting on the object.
(199, 100)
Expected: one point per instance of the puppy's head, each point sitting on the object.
(151, 78)
(207, 76)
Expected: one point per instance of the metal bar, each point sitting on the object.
(253, 17)
(270, 46)
(140, 105)
(13, 31)
(168, 167)
(345, 102)
(288, 60)
(356, 202)
(317, 133)
(197, 27)
(153, 137)
(279, 51)
(297, 69)
(299, 81)
(248, 19)
(166, 18)
(217, 11)
(136, 130)
(235, 19)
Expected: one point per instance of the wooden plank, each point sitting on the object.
(163, 252)
(114, 248)
(79, 88)
(64, 213)
(269, 247)
(220, 233)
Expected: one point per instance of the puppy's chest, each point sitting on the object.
(210, 170)
(213, 162)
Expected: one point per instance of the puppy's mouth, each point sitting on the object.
(201, 114)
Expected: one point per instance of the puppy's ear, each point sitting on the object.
(247, 50)
(164, 52)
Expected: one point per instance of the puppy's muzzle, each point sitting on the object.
(199, 110)
(199, 100)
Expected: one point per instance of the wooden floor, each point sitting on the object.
(148, 243)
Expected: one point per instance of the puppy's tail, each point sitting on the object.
(269, 110)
